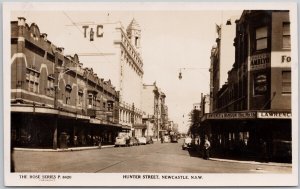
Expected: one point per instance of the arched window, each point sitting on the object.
(68, 91)
(80, 97)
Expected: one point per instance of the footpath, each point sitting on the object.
(64, 149)
(253, 162)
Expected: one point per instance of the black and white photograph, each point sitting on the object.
(150, 94)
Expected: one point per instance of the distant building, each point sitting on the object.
(205, 104)
(254, 105)
(55, 102)
(222, 56)
(154, 108)
(226, 35)
(197, 106)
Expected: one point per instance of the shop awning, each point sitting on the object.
(126, 127)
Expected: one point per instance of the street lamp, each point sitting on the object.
(180, 71)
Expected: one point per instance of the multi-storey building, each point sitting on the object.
(155, 109)
(253, 108)
(221, 58)
(116, 54)
(55, 102)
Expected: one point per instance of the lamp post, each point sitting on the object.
(148, 120)
(180, 71)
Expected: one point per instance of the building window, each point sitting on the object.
(90, 101)
(32, 80)
(286, 82)
(286, 35)
(32, 47)
(109, 106)
(80, 97)
(136, 41)
(50, 86)
(68, 90)
(261, 36)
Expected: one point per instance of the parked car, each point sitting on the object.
(129, 141)
(121, 141)
(133, 141)
(174, 138)
(149, 140)
(167, 139)
(142, 140)
(187, 143)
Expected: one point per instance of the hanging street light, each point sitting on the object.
(180, 72)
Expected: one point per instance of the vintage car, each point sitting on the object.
(187, 143)
(142, 140)
(133, 141)
(121, 141)
(174, 138)
(149, 140)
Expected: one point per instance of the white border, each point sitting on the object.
(115, 179)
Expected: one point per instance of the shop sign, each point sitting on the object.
(260, 61)
(236, 115)
(285, 59)
(97, 31)
(274, 115)
(281, 59)
(260, 84)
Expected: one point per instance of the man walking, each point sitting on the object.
(206, 149)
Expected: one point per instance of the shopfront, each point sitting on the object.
(37, 127)
(249, 134)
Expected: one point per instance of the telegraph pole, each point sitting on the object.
(56, 74)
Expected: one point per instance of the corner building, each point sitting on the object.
(252, 112)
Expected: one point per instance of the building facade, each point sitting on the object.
(116, 54)
(155, 109)
(55, 101)
(252, 112)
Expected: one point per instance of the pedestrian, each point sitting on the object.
(162, 139)
(264, 151)
(75, 141)
(100, 142)
(206, 149)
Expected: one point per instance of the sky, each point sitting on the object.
(170, 40)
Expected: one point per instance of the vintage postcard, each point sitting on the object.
(150, 94)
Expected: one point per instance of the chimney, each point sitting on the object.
(44, 35)
(21, 21)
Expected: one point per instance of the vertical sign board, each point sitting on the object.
(258, 66)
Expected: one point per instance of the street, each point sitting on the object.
(150, 158)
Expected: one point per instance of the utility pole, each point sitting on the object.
(56, 75)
